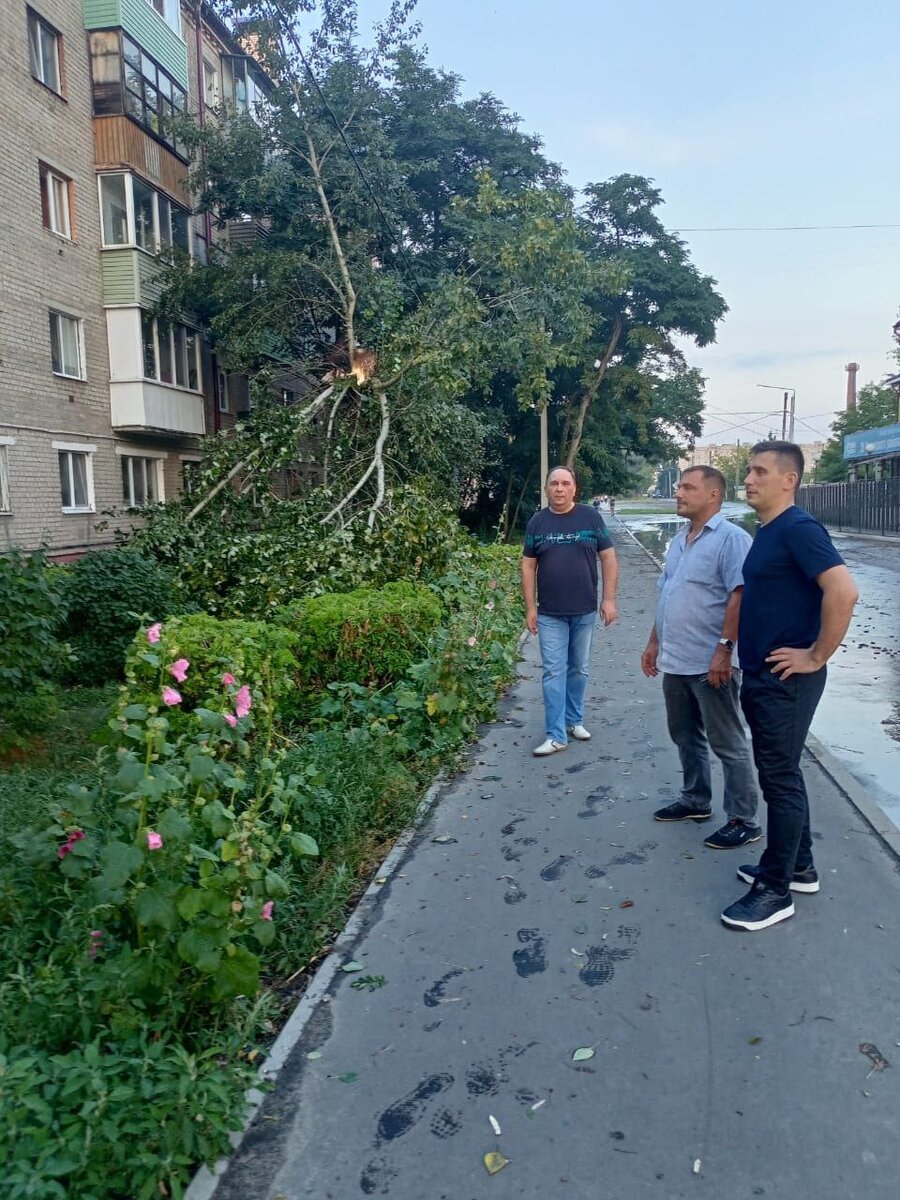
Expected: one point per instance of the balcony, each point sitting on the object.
(154, 33)
(139, 406)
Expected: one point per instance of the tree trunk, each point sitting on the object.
(575, 445)
(515, 516)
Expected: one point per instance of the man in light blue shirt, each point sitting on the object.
(692, 644)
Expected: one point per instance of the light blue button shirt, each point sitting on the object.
(693, 594)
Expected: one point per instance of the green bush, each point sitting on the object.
(32, 606)
(369, 636)
(106, 595)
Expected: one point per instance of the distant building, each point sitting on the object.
(707, 455)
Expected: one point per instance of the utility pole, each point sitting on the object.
(545, 458)
(788, 405)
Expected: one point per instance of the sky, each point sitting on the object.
(759, 114)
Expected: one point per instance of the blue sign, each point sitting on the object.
(873, 443)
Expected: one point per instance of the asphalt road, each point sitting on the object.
(557, 917)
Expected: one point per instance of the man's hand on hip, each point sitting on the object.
(531, 619)
(608, 611)
(788, 661)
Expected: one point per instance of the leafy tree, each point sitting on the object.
(876, 406)
(733, 464)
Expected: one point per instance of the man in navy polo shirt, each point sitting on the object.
(797, 604)
(563, 544)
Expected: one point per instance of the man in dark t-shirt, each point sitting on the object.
(797, 604)
(559, 583)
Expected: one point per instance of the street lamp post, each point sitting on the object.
(787, 414)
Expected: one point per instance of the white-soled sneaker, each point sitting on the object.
(548, 747)
(579, 733)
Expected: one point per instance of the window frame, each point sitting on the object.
(224, 395)
(86, 451)
(46, 173)
(5, 482)
(40, 24)
(189, 346)
(139, 75)
(161, 204)
(61, 315)
(152, 471)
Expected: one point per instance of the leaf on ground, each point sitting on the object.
(443, 839)
(495, 1124)
(627, 904)
(348, 1077)
(697, 1165)
(580, 899)
(582, 1054)
(879, 1062)
(754, 1041)
(579, 929)
(494, 1161)
(314, 1054)
(353, 965)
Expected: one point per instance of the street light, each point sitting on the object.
(787, 431)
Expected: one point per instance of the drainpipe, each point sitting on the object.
(207, 220)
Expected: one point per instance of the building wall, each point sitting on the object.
(707, 455)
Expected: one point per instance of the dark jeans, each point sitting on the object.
(779, 714)
(701, 717)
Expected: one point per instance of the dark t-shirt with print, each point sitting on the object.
(566, 546)
(782, 603)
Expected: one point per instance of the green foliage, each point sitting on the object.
(32, 605)
(107, 593)
(368, 636)
(733, 465)
(876, 406)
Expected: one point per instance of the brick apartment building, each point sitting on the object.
(101, 407)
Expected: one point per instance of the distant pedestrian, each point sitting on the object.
(797, 605)
(692, 643)
(559, 584)
(612, 506)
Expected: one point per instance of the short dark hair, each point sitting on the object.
(563, 467)
(790, 455)
(708, 473)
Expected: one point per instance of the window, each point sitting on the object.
(125, 79)
(190, 475)
(171, 353)
(56, 199)
(224, 402)
(76, 477)
(159, 5)
(127, 203)
(44, 52)
(210, 83)
(66, 345)
(140, 480)
(4, 475)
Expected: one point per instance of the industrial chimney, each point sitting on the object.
(851, 369)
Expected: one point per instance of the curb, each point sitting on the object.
(206, 1180)
(880, 823)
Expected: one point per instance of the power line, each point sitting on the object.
(775, 228)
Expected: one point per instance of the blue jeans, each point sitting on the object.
(700, 718)
(565, 653)
(779, 713)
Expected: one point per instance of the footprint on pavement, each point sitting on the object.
(406, 1112)
(530, 958)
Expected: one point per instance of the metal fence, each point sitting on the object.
(865, 506)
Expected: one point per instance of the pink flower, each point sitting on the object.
(243, 701)
(490, 606)
(266, 912)
(228, 679)
(471, 641)
(492, 583)
(75, 836)
(170, 697)
(154, 841)
(179, 670)
(96, 939)
(230, 719)
(153, 633)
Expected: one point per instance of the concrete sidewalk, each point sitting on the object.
(560, 916)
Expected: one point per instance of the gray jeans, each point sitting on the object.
(701, 717)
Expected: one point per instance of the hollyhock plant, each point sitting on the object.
(243, 701)
(230, 719)
(95, 943)
(154, 840)
(228, 679)
(75, 836)
(490, 606)
(153, 633)
(170, 697)
(179, 669)
(471, 641)
(266, 912)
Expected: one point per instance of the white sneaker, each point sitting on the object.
(548, 747)
(579, 733)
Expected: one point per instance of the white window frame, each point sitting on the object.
(60, 219)
(60, 315)
(173, 348)
(88, 450)
(212, 72)
(185, 460)
(159, 242)
(5, 502)
(37, 63)
(224, 394)
(157, 458)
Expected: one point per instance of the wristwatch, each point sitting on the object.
(727, 643)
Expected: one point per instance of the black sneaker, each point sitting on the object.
(760, 908)
(733, 834)
(679, 811)
(803, 881)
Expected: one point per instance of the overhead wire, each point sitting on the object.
(775, 228)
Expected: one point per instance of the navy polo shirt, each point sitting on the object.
(782, 603)
(566, 546)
